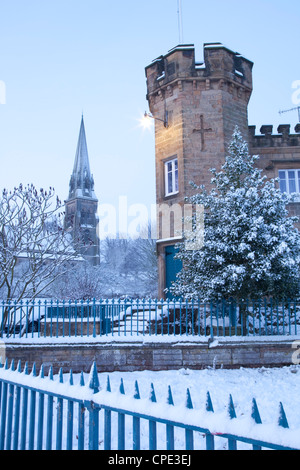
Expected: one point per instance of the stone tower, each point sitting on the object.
(196, 107)
(81, 206)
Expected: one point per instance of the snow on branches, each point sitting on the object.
(33, 243)
(251, 246)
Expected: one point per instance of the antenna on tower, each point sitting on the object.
(180, 23)
(292, 109)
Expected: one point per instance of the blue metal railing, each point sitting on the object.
(42, 413)
(116, 317)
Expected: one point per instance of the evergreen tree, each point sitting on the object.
(251, 247)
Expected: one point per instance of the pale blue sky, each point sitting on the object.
(61, 57)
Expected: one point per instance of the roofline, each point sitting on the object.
(207, 45)
(219, 45)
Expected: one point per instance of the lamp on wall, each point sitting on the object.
(147, 118)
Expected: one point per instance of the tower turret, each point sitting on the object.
(196, 107)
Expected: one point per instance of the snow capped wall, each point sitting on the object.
(153, 353)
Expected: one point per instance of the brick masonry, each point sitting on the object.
(203, 103)
(137, 356)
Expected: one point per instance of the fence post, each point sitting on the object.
(155, 325)
(51, 318)
(24, 413)
(93, 410)
(3, 411)
(45, 318)
(149, 316)
(257, 419)
(59, 422)
(32, 412)
(143, 302)
(152, 424)
(81, 318)
(49, 415)
(186, 318)
(17, 412)
(81, 411)
(2, 319)
(94, 318)
(180, 317)
(63, 317)
(210, 440)
(232, 415)
(162, 317)
(70, 417)
(211, 321)
(39, 318)
(137, 317)
(8, 318)
(112, 318)
(121, 423)
(174, 317)
(295, 315)
(136, 422)
(41, 414)
(131, 314)
(282, 421)
(170, 428)
(189, 436)
(107, 422)
(289, 315)
(87, 318)
(11, 392)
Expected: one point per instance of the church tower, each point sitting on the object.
(81, 206)
(196, 107)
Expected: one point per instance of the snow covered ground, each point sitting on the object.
(268, 386)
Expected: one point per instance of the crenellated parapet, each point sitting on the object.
(222, 69)
(283, 138)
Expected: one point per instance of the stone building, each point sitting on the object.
(196, 107)
(81, 217)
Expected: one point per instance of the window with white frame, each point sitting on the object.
(289, 181)
(171, 177)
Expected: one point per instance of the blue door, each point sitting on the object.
(173, 266)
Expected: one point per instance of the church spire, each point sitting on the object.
(81, 218)
(82, 182)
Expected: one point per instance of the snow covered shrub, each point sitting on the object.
(251, 247)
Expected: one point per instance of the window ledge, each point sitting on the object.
(171, 194)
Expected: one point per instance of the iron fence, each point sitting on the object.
(38, 412)
(128, 317)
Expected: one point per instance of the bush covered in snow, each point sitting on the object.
(251, 246)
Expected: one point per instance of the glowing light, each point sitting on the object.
(146, 121)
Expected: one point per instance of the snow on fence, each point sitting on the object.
(116, 317)
(38, 412)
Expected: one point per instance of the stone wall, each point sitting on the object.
(136, 356)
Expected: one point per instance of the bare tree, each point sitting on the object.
(80, 282)
(129, 266)
(34, 247)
